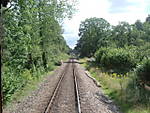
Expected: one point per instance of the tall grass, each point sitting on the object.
(123, 89)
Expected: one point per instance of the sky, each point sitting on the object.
(114, 11)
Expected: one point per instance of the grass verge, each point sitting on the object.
(121, 89)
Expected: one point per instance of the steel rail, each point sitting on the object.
(76, 89)
(47, 110)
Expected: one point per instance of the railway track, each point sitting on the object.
(65, 98)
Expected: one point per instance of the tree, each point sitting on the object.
(139, 25)
(91, 32)
(148, 18)
(121, 34)
(33, 40)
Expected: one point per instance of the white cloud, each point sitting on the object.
(133, 10)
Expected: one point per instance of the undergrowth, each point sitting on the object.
(123, 89)
(16, 84)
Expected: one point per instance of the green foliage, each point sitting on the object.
(120, 34)
(92, 32)
(33, 41)
(97, 32)
(11, 82)
(118, 59)
(124, 49)
(99, 53)
(122, 89)
(143, 71)
(118, 47)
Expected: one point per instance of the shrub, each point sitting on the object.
(11, 82)
(118, 59)
(98, 54)
(143, 70)
(144, 51)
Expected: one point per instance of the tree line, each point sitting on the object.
(118, 49)
(33, 41)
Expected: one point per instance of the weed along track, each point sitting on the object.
(65, 98)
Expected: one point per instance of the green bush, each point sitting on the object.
(98, 54)
(143, 70)
(144, 51)
(14, 80)
(118, 59)
(11, 82)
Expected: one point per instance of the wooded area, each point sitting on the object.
(122, 52)
(121, 47)
(33, 41)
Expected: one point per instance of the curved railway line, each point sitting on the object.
(65, 97)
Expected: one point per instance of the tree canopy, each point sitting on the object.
(95, 33)
(33, 40)
(91, 32)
